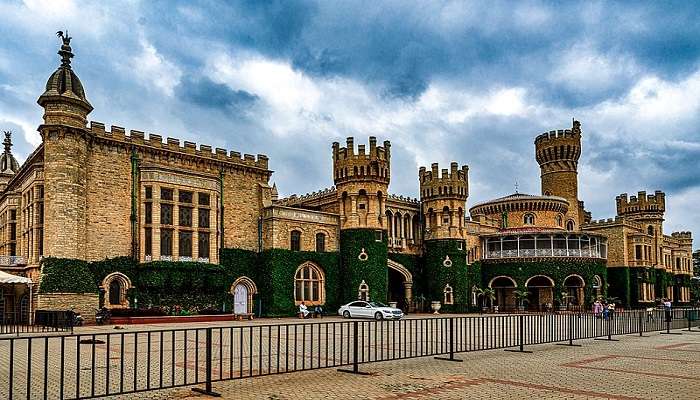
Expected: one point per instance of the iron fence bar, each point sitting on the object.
(207, 388)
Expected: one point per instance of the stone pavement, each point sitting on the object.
(653, 367)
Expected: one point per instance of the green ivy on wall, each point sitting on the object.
(558, 270)
(276, 269)
(63, 275)
(619, 281)
(373, 270)
(437, 274)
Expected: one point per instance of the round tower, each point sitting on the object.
(66, 142)
(361, 180)
(443, 198)
(557, 153)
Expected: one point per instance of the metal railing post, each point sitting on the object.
(521, 336)
(451, 344)
(207, 384)
(355, 367)
(570, 328)
(668, 315)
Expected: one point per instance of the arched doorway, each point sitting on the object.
(400, 285)
(243, 290)
(541, 290)
(503, 287)
(597, 287)
(574, 285)
(115, 286)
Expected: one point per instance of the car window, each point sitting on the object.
(377, 304)
(358, 304)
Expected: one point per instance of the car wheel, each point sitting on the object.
(378, 316)
(346, 314)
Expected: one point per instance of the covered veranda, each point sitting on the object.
(15, 299)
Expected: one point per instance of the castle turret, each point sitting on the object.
(66, 141)
(8, 164)
(648, 211)
(362, 179)
(557, 153)
(443, 198)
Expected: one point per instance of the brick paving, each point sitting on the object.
(632, 368)
(654, 367)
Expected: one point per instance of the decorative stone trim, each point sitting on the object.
(363, 255)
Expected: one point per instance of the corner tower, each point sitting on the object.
(362, 180)
(557, 153)
(648, 211)
(66, 143)
(443, 198)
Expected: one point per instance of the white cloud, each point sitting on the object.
(153, 69)
(583, 68)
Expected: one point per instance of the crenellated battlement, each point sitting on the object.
(682, 235)
(641, 204)
(404, 199)
(559, 146)
(450, 183)
(153, 140)
(351, 164)
(602, 223)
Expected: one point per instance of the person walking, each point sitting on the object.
(597, 308)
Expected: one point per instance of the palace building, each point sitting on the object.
(88, 195)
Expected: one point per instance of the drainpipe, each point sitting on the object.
(221, 206)
(134, 198)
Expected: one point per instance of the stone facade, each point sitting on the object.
(91, 193)
(83, 303)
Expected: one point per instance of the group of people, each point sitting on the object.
(602, 309)
(666, 305)
(305, 313)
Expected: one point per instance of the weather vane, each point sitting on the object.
(516, 187)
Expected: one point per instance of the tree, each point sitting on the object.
(521, 296)
(488, 293)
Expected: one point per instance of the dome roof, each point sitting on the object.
(521, 201)
(64, 82)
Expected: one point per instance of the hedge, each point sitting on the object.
(64, 275)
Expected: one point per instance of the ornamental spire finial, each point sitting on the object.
(66, 52)
(8, 141)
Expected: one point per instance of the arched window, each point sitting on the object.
(447, 292)
(559, 220)
(363, 291)
(570, 225)
(320, 242)
(115, 287)
(650, 230)
(295, 241)
(309, 285)
(529, 219)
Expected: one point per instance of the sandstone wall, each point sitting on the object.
(85, 303)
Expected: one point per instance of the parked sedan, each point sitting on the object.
(372, 309)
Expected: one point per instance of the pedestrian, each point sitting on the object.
(303, 310)
(667, 310)
(606, 311)
(611, 310)
(650, 314)
(597, 308)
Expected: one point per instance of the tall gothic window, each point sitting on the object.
(448, 295)
(320, 242)
(166, 242)
(295, 241)
(570, 225)
(309, 285)
(185, 244)
(203, 247)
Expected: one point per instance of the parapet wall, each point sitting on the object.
(641, 203)
(350, 165)
(118, 133)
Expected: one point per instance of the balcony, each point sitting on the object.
(12, 261)
(576, 245)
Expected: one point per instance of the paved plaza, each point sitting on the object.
(140, 357)
(654, 367)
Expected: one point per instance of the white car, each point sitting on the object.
(372, 309)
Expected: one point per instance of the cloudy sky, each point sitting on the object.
(472, 82)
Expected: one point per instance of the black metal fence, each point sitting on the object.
(85, 366)
(44, 321)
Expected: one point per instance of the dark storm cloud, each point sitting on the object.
(207, 93)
